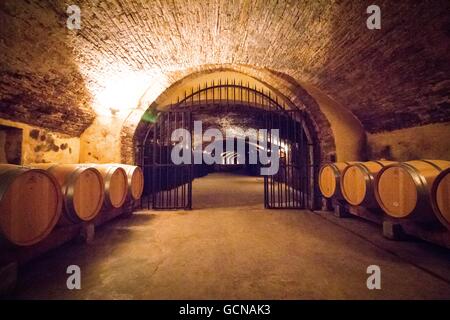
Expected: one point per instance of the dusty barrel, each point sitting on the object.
(330, 177)
(440, 197)
(135, 179)
(403, 190)
(30, 204)
(357, 182)
(116, 184)
(82, 188)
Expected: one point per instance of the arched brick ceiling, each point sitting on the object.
(280, 85)
(392, 78)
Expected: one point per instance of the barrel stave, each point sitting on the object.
(135, 180)
(116, 184)
(329, 179)
(440, 197)
(357, 182)
(404, 190)
(30, 204)
(82, 188)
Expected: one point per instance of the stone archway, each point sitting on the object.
(280, 84)
(295, 177)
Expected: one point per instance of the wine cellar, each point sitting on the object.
(224, 150)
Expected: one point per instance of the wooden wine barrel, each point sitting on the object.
(330, 177)
(116, 184)
(440, 197)
(83, 190)
(30, 204)
(135, 180)
(403, 190)
(357, 182)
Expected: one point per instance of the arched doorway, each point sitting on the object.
(278, 131)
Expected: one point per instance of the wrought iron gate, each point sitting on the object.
(168, 186)
(289, 188)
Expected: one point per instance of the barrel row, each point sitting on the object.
(418, 189)
(36, 198)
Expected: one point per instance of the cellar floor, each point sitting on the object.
(230, 247)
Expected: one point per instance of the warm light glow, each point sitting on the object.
(121, 93)
(284, 147)
(119, 90)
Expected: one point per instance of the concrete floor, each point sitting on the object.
(230, 247)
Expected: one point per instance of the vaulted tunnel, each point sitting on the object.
(113, 90)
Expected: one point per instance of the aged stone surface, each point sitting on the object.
(100, 142)
(220, 116)
(390, 78)
(279, 84)
(40, 83)
(426, 142)
(10, 145)
(37, 145)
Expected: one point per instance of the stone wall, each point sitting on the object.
(100, 143)
(280, 84)
(391, 78)
(40, 83)
(348, 133)
(44, 146)
(58, 79)
(424, 142)
(10, 145)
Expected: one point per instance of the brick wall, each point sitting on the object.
(392, 78)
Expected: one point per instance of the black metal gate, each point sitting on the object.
(289, 187)
(168, 186)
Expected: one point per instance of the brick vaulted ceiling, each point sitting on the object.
(390, 78)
